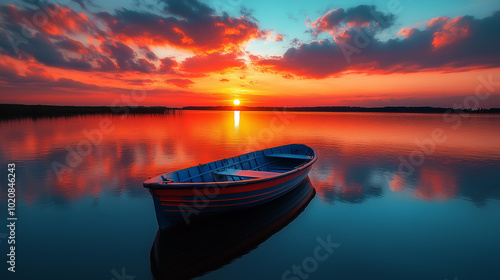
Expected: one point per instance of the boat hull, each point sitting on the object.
(215, 199)
(187, 251)
(230, 184)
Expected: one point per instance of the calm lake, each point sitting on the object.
(401, 196)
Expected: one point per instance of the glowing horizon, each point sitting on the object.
(212, 53)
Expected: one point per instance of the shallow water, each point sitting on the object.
(403, 196)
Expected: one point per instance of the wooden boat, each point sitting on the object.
(184, 251)
(229, 184)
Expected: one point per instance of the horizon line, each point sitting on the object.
(207, 107)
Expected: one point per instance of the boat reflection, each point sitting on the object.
(184, 251)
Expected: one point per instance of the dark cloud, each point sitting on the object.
(360, 16)
(458, 44)
(125, 58)
(69, 44)
(148, 53)
(45, 43)
(106, 64)
(295, 42)
(49, 19)
(9, 42)
(43, 50)
(144, 66)
(248, 13)
(85, 3)
(189, 9)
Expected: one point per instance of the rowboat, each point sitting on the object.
(229, 184)
(184, 251)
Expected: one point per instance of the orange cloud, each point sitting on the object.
(219, 32)
(182, 83)
(214, 62)
(451, 32)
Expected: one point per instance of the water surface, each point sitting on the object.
(399, 203)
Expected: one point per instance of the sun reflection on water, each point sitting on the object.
(236, 119)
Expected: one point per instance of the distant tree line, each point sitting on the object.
(401, 109)
(12, 111)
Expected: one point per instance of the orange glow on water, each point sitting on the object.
(144, 146)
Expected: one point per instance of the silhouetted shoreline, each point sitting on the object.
(12, 111)
(432, 110)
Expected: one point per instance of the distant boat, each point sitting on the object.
(186, 251)
(229, 184)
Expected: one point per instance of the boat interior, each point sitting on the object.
(259, 164)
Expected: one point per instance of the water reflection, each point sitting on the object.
(349, 184)
(431, 214)
(358, 153)
(436, 181)
(236, 119)
(186, 251)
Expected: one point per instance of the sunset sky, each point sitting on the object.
(264, 53)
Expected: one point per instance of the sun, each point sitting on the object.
(236, 102)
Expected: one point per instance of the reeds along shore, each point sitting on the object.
(13, 111)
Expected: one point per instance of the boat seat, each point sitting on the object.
(293, 156)
(247, 173)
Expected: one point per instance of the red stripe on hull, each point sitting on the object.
(165, 200)
(229, 188)
(189, 203)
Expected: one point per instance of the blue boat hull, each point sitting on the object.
(242, 186)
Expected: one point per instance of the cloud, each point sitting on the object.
(449, 31)
(125, 57)
(52, 20)
(220, 32)
(70, 83)
(121, 41)
(182, 83)
(143, 65)
(361, 16)
(148, 53)
(69, 44)
(214, 62)
(458, 44)
(188, 8)
(41, 48)
(26, 34)
(167, 65)
(106, 64)
(37, 78)
(271, 36)
(139, 82)
(224, 80)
